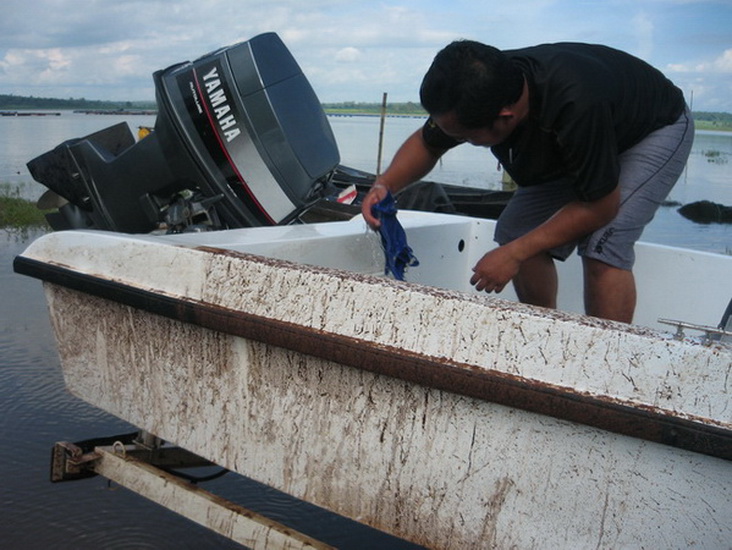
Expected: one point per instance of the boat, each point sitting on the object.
(280, 349)
(447, 418)
(240, 140)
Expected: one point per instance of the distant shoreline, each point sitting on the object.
(336, 113)
(702, 125)
(11, 106)
(699, 124)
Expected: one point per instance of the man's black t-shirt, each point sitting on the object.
(588, 104)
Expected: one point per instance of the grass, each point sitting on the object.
(17, 212)
(711, 125)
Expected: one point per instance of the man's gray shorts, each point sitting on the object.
(648, 171)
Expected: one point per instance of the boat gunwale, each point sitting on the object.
(635, 420)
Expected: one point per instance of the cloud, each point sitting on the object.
(720, 64)
(708, 83)
(348, 49)
(44, 65)
(348, 55)
(643, 29)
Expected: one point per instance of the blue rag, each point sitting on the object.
(393, 238)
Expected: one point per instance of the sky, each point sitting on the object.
(348, 50)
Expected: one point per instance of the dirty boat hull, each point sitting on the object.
(448, 419)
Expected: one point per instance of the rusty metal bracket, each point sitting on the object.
(73, 461)
(69, 462)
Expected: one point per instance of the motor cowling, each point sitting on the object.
(239, 129)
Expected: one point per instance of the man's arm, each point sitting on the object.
(414, 160)
(573, 221)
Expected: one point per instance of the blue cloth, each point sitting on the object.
(393, 238)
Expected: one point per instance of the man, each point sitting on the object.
(595, 139)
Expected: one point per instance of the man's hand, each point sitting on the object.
(495, 269)
(376, 194)
(571, 222)
(412, 161)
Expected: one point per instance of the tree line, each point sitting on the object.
(713, 120)
(408, 108)
(9, 102)
(703, 119)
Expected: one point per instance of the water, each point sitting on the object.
(708, 175)
(37, 411)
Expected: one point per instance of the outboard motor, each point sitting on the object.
(240, 140)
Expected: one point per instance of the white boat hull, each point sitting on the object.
(449, 419)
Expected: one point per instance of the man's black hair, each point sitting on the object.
(472, 79)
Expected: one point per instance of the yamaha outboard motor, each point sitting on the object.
(240, 140)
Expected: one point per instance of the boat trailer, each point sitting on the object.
(142, 463)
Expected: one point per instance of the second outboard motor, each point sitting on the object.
(240, 130)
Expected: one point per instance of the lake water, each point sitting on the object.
(37, 411)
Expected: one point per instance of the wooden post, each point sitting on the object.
(381, 135)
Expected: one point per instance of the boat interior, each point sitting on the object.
(448, 246)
